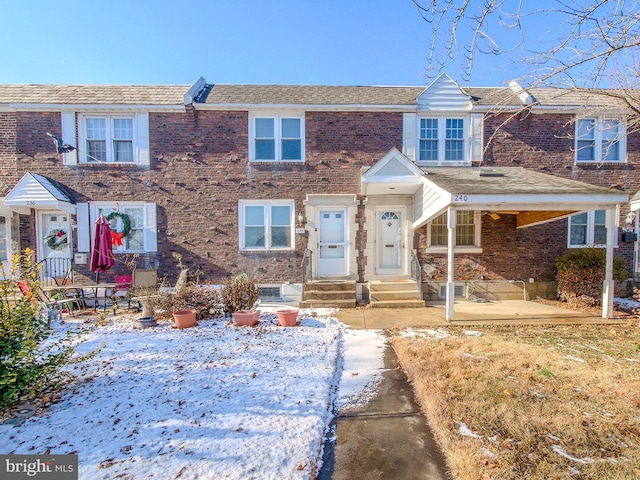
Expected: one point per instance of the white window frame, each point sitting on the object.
(599, 121)
(477, 236)
(149, 234)
(267, 204)
(109, 137)
(277, 118)
(442, 139)
(590, 240)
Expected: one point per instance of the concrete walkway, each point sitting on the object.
(467, 313)
(387, 438)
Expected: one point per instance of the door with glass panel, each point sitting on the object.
(55, 244)
(332, 242)
(390, 242)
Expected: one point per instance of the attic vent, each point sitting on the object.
(459, 290)
(491, 174)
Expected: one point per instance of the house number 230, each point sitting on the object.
(460, 198)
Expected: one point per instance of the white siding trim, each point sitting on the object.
(476, 142)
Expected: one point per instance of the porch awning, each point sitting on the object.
(534, 197)
(39, 192)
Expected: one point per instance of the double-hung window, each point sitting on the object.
(266, 224)
(135, 219)
(276, 138)
(442, 139)
(467, 232)
(588, 228)
(600, 140)
(108, 138)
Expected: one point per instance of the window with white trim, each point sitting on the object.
(276, 138)
(467, 232)
(443, 139)
(141, 221)
(600, 140)
(588, 229)
(107, 138)
(266, 224)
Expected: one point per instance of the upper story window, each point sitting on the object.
(588, 228)
(266, 225)
(442, 139)
(276, 138)
(600, 140)
(467, 232)
(108, 138)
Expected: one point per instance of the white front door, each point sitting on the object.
(332, 242)
(390, 242)
(5, 243)
(55, 243)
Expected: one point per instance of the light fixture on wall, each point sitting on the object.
(300, 218)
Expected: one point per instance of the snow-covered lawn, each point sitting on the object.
(214, 401)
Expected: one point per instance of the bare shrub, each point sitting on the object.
(205, 300)
(581, 275)
(239, 293)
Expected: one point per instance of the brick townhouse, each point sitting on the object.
(457, 190)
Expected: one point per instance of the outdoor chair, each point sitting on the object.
(145, 283)
(39, 295)
(124, 283)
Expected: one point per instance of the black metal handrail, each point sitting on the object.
(416, 270)
(54, 271)
(307, 267)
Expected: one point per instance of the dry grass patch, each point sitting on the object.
(530, 401)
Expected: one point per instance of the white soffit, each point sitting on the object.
(39, 192)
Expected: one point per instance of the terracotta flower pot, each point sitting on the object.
(287, 318)
(246, 317)
(184, 318)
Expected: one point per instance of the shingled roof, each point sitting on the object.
(93, 94)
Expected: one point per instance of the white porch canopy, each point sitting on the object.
(39, 192)
(535, 198)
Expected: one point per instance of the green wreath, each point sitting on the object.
(57, 239)
(126, 222)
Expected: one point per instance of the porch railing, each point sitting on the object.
(307, 267)
(54, 271)
(416, 270)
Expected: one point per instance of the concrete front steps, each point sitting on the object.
(395, 294)
(329, 294)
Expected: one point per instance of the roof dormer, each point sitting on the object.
(444, 94)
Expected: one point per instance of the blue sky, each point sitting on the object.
(328, 42)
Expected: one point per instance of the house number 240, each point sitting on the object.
(460, 198)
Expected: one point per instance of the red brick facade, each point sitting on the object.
(200, 169)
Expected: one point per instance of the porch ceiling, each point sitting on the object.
(534, 197)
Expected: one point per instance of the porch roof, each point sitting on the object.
(37, 191)
(533, 196)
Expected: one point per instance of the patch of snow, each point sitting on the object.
(467, 432)
(575, 359)
(363, 364)
(425, 332)
(472, 333)
(561, 451)
(214, 401)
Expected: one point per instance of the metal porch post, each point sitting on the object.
(451, 231)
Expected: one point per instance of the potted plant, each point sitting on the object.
(184, 318)
(246, 317)
(288, 318)
(239, 293)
